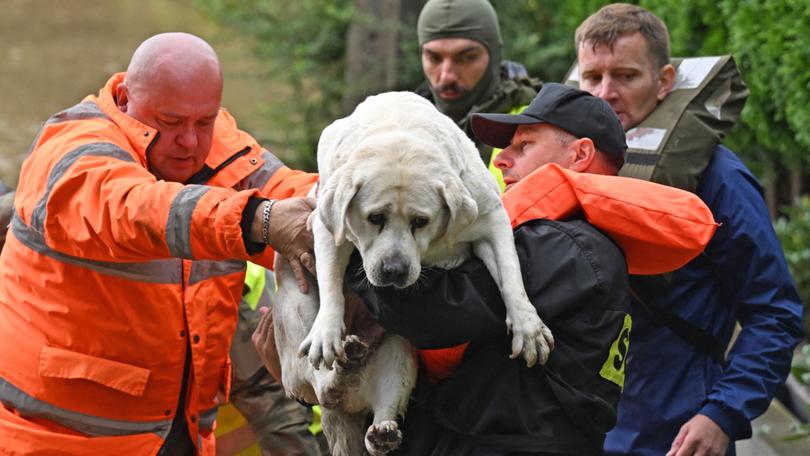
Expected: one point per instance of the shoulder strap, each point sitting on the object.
(703, 341)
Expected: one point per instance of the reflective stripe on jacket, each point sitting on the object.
(109, 275)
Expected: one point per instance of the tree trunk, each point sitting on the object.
(410, 11)
(796, 177)
(372, 50)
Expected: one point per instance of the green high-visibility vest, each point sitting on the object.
(255, 279)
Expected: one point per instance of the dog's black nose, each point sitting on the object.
(394, 271)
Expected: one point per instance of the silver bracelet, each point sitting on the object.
(266, 221)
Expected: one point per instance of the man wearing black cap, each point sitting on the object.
(573, 273)
(563, 126)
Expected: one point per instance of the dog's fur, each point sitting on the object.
(401, 183)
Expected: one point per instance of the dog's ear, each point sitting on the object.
(334, 200)
(461, 206)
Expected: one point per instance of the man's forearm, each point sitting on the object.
(250, 223)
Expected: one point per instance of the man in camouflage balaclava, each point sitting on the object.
(460, 45)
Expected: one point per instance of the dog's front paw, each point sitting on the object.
(531, 338)
(382, 438)
(323, 344)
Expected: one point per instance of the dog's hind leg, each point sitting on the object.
(343, 431)
(293, 314)
(390, 377)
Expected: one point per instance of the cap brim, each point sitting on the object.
(496, 130)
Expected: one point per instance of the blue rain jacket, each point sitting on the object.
(742, 276)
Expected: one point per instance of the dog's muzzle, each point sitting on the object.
(393, 271)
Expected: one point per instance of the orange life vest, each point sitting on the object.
(659, 228)
(108, 276)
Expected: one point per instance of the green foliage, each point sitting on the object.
(768, 39)
(696, 27)
(410, 75)
(794, 234)
(303, 43)
(769, 36)
(541, 34)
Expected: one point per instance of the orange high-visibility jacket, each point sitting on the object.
(108, 275)
(659, 228)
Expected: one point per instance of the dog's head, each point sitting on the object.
(392, 202)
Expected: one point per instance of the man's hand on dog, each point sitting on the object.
(289, 235)
(265, 343)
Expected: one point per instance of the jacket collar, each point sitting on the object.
(140, 135)
(545, 193)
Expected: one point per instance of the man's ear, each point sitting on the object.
(584, 152)
(666, 79)
(122, 97)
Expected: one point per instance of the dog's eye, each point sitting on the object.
(377, 219)
(419, 222)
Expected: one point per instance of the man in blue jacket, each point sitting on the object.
(682, 394)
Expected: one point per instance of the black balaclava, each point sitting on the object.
(471, 19)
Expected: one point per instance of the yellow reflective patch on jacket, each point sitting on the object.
(255, 279)
(613, 369)
(495, 171)
(315, 426)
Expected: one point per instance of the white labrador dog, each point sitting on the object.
(400, 182)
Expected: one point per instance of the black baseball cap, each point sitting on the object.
(575, 111)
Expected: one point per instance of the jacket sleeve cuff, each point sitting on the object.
(248, 215)
(736, 426)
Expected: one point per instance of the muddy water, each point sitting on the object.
(54, 52)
